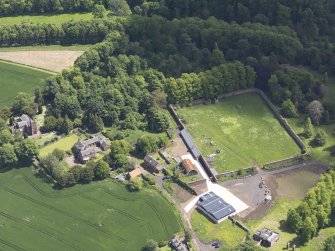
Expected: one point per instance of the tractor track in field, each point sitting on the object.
(39, 229)
(62, 212)
(146, 202)
(120, 212)
(11, 245)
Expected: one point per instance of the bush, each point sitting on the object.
(149, 179)
(135, 184)
(162, 244)
(320, 138)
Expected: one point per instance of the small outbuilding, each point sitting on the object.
(189, 167)
(152, 164)
(266, 236)
(134, 173)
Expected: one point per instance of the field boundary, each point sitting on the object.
(28, 66)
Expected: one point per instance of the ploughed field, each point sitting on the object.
(16, 79)
(238, 131)
(97, 216)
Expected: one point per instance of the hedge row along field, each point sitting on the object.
(99, 216)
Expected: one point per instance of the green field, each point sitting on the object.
(47, 19)
(242, 128)
(97, 216)
(16, 79)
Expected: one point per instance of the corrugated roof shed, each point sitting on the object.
(189, 166)
(190, 144)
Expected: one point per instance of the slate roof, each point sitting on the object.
(190, 144)
(214, 206)
(87, 152)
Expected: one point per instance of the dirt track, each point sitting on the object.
(55, 61)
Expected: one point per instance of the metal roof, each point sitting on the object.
(215, 206)
(189, 142)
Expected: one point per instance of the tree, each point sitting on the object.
(26, 150)
(320, 138)
(151, 245)
(87, 174)
(101, 170)
(135, 184)
(119, 7)
(66, 125)
(59, 154)
(247, 246)
(315, 110)
(308, 230)
(294, 221)
(6, 136)
(157, 120)
(329, 244)
(99, 11)
(7, 156)
(288, 109)
(308, 128)
(21, 101)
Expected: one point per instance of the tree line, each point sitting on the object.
(71, 32)
(25, 7)
(317, 210)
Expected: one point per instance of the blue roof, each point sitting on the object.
(189, 142)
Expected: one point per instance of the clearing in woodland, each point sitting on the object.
(16, 79)
(98, 216)
(238, 131)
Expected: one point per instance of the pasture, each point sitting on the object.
(15, 78)
(98, 216)
(47, 19)
(65, 144)
(240, 130)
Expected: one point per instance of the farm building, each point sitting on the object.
(266, 236)
(165, 156)
(152, 164)
(134, 173)
(214, 207)
(24, 125)
(189, 167)
(190, 143)
(85, 150)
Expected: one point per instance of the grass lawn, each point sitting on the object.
(47, 19)
(98, 216)
(65, 144)
(16, 79)
(226, 232)
(242, 128)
